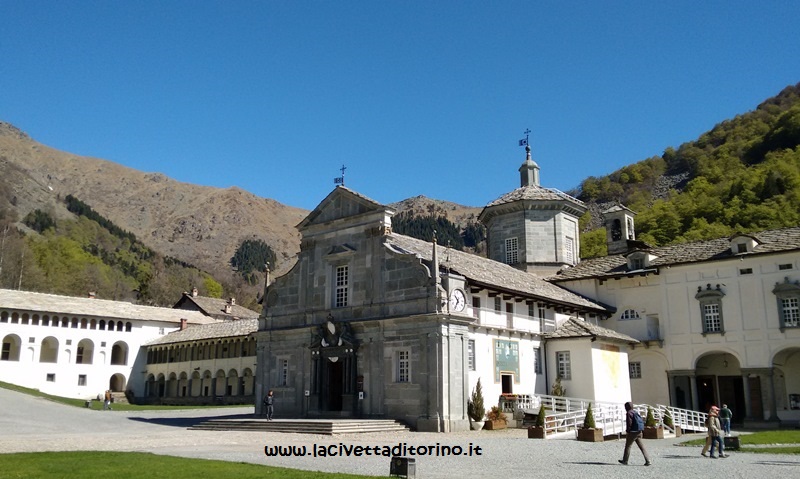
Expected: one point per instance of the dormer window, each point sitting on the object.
(639, 260)
(742, 244)
(711, 308)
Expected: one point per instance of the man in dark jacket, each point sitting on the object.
(268, 400)
(634, 427)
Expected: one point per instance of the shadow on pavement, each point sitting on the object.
(184, 422)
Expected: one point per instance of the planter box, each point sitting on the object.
(731, 442)
(678, 431)
(590, 435)
(653, 433)
(536, 433)
(492, 425)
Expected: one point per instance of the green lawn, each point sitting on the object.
(98, 405)
(769, 442)
(135, 465)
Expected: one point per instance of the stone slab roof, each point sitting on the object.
(578, 328)
(771, 241)
(534, 192)
(43, 303)
(215, 307)
(490, 273)
(224, 329)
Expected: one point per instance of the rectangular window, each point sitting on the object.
(635, 370)
(531, 310)
(562, 362)
(403, 366)
(471, 354)
(711, 318)
(746, 271)
(537, 360)
(637, 263)
(284, 369)
(80, 355)
(476, 306)
(342, 282)
(31, 339)
(498, 304)
(569, 250)
(741, 248)
(785, 266)
(81, 380)
(6, 355)
(512, 251)
(51, 377)
(791, 312)
(160, 330)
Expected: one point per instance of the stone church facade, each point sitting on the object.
(371, 323)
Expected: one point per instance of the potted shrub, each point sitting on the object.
(537, 431)
(475, 408)
(495, 419)
(651, 429)
(558, 389)
(590, 433)
(669, 423)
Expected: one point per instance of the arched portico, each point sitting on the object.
(786, 376)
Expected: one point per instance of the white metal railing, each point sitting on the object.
(565, 414)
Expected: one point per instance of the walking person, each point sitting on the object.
(715, 431)
(725, 416)
(634, 427)
(107, 400)
(268, 405)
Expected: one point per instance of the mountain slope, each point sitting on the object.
(197, 224)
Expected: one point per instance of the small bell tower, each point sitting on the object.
(619, 224)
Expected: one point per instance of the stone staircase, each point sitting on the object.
(327, 427)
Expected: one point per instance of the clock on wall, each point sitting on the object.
(458, 300)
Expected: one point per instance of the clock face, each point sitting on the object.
(458, 300)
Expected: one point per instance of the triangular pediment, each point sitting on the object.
(341, 203)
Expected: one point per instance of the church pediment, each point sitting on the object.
(341, 203)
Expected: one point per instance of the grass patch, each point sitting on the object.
(98, 405)
(138, 465)
(768, 442)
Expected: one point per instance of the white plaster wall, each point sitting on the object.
(29, 372)
(610, 373)
(529, 381)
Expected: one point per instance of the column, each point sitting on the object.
(773, 402)
(693, 386)
(748, 406)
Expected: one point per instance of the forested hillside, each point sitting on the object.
(742, 176)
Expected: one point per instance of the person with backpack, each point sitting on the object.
(634, 427)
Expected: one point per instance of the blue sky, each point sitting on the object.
(415, 98)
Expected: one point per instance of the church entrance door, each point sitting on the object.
(335, 380)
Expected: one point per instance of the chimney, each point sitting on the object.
(183, 324)
(228, 309)
(92, 294)
(194, 292)
(233, 301)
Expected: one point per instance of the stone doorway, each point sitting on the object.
(334, 387)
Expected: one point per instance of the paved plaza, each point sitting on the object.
(36, 425)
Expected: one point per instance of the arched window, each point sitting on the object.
(11, 346)
(49, 351)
